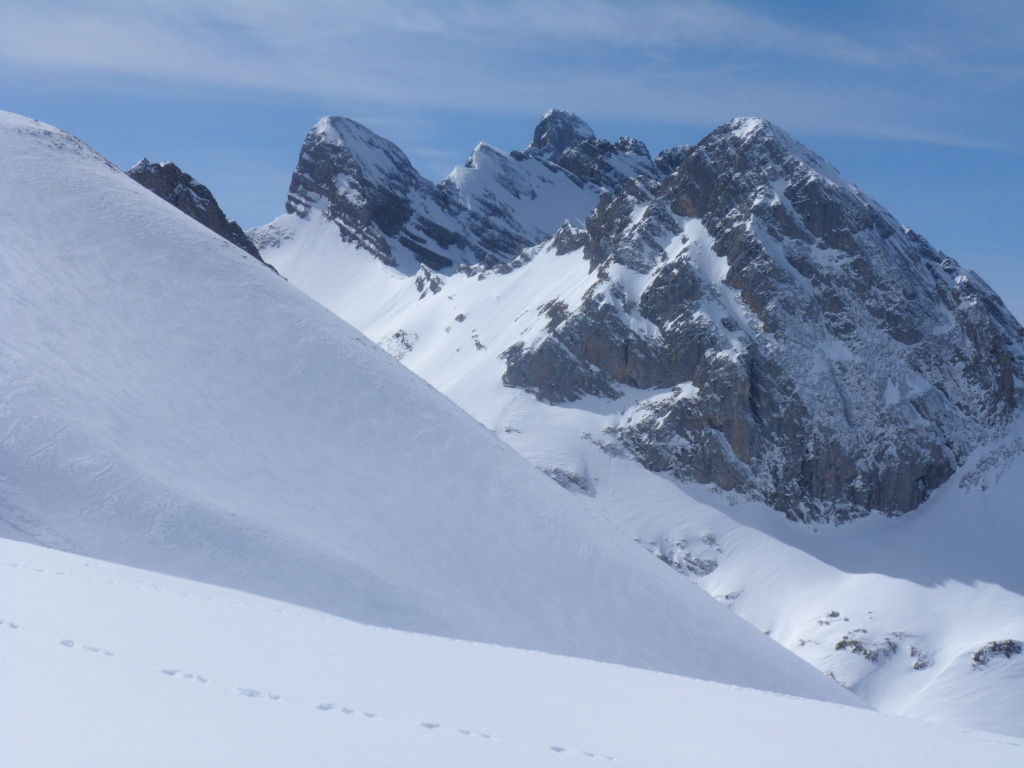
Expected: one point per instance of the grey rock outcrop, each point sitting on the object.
(567, 141)
(669, 159)
(369, 189)
(808, 349)
(556, 132)
(178, 188)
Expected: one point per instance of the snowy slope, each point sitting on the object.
(109, 665)
(916, 598)
(530, 197)
(170, 403)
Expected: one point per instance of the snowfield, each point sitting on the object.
(233, 530)
(109, 665)
(169, 403)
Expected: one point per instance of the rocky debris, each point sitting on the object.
(571, 481)
(1006, 648)
(178, 188)
(399, 343)
(818, 355)
(669, 159)
(858, 643)
(696, 560)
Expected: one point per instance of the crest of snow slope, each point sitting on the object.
(929, 590)
(169, 403)
(110, 665)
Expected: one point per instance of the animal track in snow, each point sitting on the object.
(464, 732)
(329, 707)
(593, 755)
(252, 693)
(184, 675)
(91, 648)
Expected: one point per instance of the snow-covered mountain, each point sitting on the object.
(484, 212)
(109, 665)
(820, 356)
(170, 403)
(754, 323)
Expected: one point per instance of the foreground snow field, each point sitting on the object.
(168, 404)
(109, 665)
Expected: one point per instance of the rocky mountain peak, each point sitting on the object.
(340, 163)
(755, 136)
(178, 188)
(368, 187)
(565, 140)
(485, 211)
(556, 132)
(819, 355)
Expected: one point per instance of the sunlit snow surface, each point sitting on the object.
(914, 598)
(169, 403)
(105, 665)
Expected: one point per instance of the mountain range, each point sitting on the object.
(727, 357)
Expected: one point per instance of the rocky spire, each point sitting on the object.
(564, 139)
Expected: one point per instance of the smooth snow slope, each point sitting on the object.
(169, 403)
(108, 665)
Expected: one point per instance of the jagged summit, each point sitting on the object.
(750, 132)
(565, 140)
(556, 132)
(486, 211)
(178, 188)
(373, 159)
(366, 185)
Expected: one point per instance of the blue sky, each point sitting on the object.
(919, 102)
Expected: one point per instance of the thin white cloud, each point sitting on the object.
(685, 61)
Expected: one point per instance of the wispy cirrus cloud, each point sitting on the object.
(924, 71)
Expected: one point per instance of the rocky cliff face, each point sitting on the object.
(368, 187)
(564, 139)
(484, 212)
(809, 350)
(179, 189)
